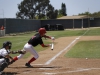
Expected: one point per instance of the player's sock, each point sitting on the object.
(15, 58)
(31, 60)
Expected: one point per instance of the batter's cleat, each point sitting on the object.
(28, 65)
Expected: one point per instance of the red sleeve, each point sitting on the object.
(44, 45)
(47, 36)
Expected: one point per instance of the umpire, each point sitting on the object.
(4, 55)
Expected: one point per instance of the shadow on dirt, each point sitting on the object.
(9, 73)
(38, 67)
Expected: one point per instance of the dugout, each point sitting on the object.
(59, 27)
(50, 27)
(47, 27)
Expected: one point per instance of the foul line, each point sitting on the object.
(49, 61)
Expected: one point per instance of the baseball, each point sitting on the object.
(86, 58)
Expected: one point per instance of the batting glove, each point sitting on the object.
(53, 38)
(50, 45)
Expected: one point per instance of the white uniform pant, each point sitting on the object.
(29, 48)
(2, 60)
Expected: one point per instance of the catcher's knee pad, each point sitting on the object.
(7, 60)
(3, 66)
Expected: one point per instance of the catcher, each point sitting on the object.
(5, 58)
(33, 42)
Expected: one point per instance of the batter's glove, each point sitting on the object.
(50, 45)
(53, 38)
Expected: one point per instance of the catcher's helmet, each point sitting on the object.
(7, 43)
(42, 30)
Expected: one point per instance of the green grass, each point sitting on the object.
(93, 32)
(18, 41)
(85, 49)
(65, 33)
(74, 32)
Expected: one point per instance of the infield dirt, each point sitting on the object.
(59, 65)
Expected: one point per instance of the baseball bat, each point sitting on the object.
(52, 45)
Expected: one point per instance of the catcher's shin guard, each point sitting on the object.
(7, 60)
(3, 66)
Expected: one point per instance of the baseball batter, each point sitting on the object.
(33, 42)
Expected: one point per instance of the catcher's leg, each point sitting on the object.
(2, 60)
(4, 64)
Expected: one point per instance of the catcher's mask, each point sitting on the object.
(42, 30)
(7, 43)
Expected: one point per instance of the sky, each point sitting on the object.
(9, 8)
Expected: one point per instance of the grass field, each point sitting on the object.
(85, 49)
(18, 41)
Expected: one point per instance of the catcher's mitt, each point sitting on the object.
(21, 51)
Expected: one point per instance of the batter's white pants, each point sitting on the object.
(29, 48)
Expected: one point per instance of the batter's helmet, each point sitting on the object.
(42, 30)
(7, 43)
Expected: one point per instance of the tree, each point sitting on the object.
(42, 7)
(32, 9)
(95, 14)
(51, 12)
(86, 13)
(60, 13)
(63, 9)
(26, 10)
